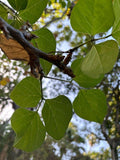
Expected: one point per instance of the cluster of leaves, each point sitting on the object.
(47, 149)
(90, 104)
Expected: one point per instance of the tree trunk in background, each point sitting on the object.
(3, 154)
(114, 154)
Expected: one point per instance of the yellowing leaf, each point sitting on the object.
(4, 81)
(110, 103)
(68, 11)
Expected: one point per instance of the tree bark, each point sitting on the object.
(31, 50)
(114, 153)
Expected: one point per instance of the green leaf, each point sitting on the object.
(91, 105)
(33, 10)
(57, 114)
(116, 26)
(3, 12)
(92, 16)
(27, 93)
(18, 4)
(15, 23)
(100, 59)
(82, 79)
(46, 42)
(30, 132)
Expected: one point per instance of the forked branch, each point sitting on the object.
(34, 53)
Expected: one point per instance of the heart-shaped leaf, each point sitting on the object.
(100, 59)
(57, 114)
(27, 93)
(30, 132)
(33, 10)
(92, 16)
(91, 105)
(82, 79)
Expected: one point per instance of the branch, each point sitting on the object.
(33, 52)
(103, 126)
(113, 142)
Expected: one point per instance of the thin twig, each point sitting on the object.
(58, 79)
(80, 45)
(62, 80)
(38, 107)
(41, 88)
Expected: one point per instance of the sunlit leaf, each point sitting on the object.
(30, 132)
(91, 105)
(92, 16)
(57, 114)
(82, 79)
(100, 59)
(33, 10)
(27, 93)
